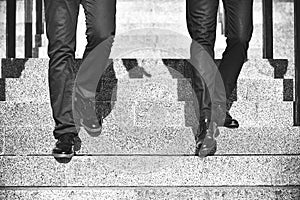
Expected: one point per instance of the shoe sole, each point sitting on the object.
(56, 155)
(63, 160)
(231, 127)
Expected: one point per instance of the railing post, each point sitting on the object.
(267, 29)
(39, 22)
(10, 28)
(28, 29)
(39, 17)
(297, 63)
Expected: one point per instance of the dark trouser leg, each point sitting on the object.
(100, 22)
(239, 27)
(201, 21)
(61, 21)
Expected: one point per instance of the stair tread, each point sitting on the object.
(152, 140)
(135, 193)
(38, 67)
(150, 170)
(152, 113)
(262, 90)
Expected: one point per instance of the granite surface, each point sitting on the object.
(149, 67)
(150, 171)
(149, 193)
(141, 113)
(167, 140)
(152, 89)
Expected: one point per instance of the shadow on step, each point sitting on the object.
(106, 90)
(10, 68)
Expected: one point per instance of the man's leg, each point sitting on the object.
(100, 22)
(201, 21)
(61, 21)
(239, 27)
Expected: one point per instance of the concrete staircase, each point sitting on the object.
(147, 145)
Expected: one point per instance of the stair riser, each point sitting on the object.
(124, 113)
(150, 171)
(253, 53)
(148, 90)
(36, 68)
(156, 114)
(164, 140)
(260, 70)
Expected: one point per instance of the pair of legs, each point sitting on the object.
(201, 22)
(61, 22)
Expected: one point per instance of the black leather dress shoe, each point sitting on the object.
(206, 144)
(65, 148)
(85, 108)
(230, 122)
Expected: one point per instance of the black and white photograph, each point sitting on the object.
(150, 99)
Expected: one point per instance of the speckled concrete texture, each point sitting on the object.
(146, 79)
(150, 171)
(12, 68)
(259, 140)
(154, 114)
(258, 90)
(153, 90)
(113, 140)
(270, 114)
(22, 90)
(261, 90)
(25, 114)
(32, 68)
(161, 140)
(183, 193)
(253, 114)
(264, 69)
(143, 113)
(32, 113)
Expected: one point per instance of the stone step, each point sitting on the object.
(123, 140)
(147, 193)
(169, 89)
(147, 79)
(263, 114)
(142, 113)
(151, 171)
(155, 113)
(253, 53)
(38, 67)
